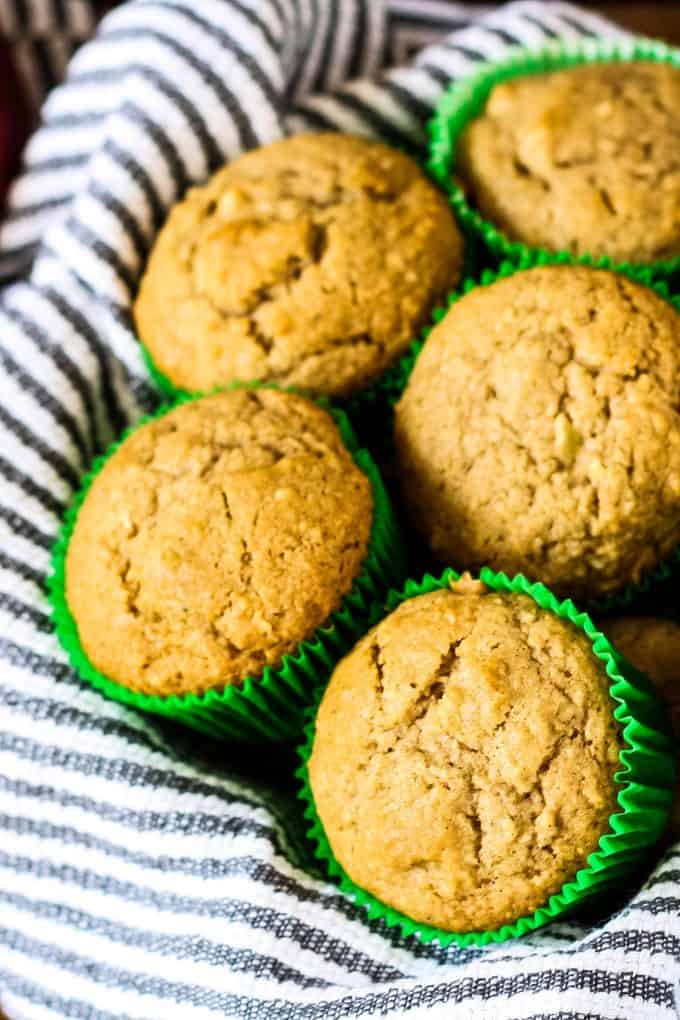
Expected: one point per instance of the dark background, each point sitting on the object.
(661, 20)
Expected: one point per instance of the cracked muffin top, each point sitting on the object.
(540, 430)
(652, 645)
(313, 261)
(214, 540)
(585, 159)
(473, 717)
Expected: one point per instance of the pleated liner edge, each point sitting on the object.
(646, 779)
(465, 100)
(396, 380)
(268, 707)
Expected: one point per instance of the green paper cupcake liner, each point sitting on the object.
(669, 569)
(163, 384)
(646, 780)
(369, 410)
(261, 708)
(368, 407)
(466, 99)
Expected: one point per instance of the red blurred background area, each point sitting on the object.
(15, 119)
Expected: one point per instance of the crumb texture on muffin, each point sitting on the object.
(313, 262)
(214, 540)
(585, 159)
(540, 432)
(483, 753)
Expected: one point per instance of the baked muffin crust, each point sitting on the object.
(313, 261)
(214, 540)
(585, 159)
(539, 431)
(472, 720)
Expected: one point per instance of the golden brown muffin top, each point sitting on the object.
(585, 159)
(214, 540)
(539, 431)
(472, 721)
(313, 261)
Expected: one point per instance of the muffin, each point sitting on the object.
(313, 262)
(472, 716)
(539, 431)
(585, 160)
(653, 646)
(214, 540)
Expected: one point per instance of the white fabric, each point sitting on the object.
(143, 872)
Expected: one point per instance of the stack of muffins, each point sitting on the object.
(480, 756)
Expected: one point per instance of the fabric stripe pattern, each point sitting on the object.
(144, 872)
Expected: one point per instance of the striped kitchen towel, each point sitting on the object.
(145, 874)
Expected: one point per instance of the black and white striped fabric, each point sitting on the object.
(145, 875)
(43, 35)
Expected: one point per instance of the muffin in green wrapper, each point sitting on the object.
(220, 557)
(309, 262)
(538, 429)
(507, 764)
(564, 149)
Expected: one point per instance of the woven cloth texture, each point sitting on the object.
(146, 874)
